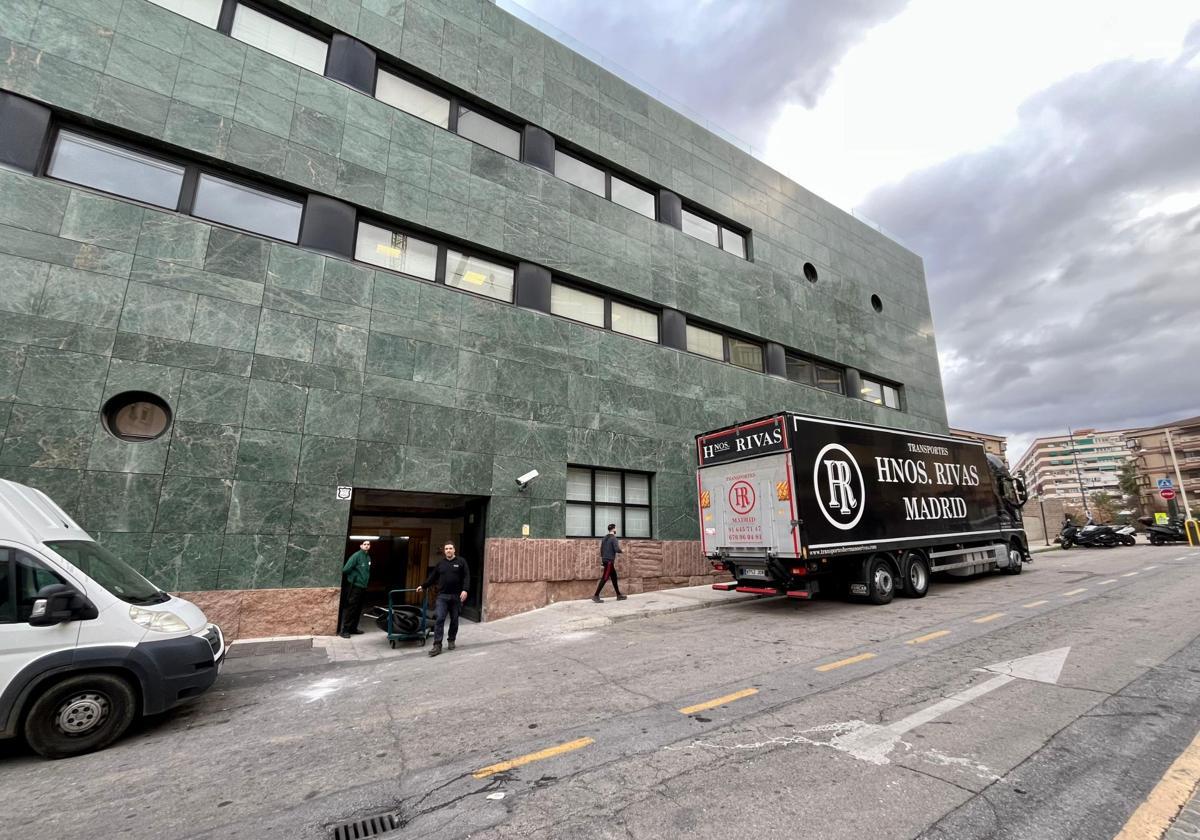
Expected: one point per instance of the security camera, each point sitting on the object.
(523, 481)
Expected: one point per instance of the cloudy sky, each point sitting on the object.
(1042, 157)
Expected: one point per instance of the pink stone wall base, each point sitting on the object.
(254, 613)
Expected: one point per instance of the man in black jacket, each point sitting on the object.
(453, 580)
(609, 549)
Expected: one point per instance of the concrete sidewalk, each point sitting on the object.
(553, 620)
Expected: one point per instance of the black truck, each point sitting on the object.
(790, 502)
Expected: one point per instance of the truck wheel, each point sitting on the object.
(916, 574)
(881, 583)
(1015, 559)
(80, 714)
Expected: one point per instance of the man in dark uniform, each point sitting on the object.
(453, 579)
(358, 574)
(609, 549)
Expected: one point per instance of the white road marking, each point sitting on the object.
(321, 689)
(1129, 574)
(1107, 582)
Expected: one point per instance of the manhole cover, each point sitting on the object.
(365, 827)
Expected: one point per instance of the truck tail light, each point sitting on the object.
(799, 571)
(718, 566)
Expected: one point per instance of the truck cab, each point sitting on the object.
(86, 642)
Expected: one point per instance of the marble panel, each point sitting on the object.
(295, 269)
(193, 505)
(286, 336)
(83, 297)
(313, 561)
(327, 460)
(183, 354)
(202, 449)
(265, 455)
(252, 561)
(207, 89)
(111, 454)
(131, 107)
(212, 398)
(139, 63)
(318, 511)
(259, 507)
(106, 222)
(331, 413)
(62, 379)
(380, 466)
(47, 437)
(225, 323)
(347, 283)
(275, 405)
(32, 203)
(234, 254)
(157, 311)
(390, 355)
(384, 420)
(24, 282)
(184, 562)
(257, 150)
(113, 501)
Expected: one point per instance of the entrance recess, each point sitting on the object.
(408, 531)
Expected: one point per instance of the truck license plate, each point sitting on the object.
(754, 573)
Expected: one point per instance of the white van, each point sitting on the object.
(86, 643)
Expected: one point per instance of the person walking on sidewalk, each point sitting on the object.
(610, 547)
(453, 580)
(358, 574)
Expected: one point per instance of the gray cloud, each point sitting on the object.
(735, 61)
(1060, 296)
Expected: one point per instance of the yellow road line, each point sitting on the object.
(928, 637)
(862, 657)
(549, 752)
(1129, 574)
(987, 618)
(1075, 591)
(720, 701)
(1035, 604)
(1107, 582)
(1154, 815)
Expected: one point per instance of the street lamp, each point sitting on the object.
(1078, 475)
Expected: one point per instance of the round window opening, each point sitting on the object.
(876, 303)
(810, 272)
(137, 416)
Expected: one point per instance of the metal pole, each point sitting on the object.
(1078, 475)
(1045, 528)
(1187, 511)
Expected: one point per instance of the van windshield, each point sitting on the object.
(109, 571)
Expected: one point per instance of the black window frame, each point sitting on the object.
(814, 378)
(609, 174)
(593, 504)
(881, 384)
(722, 226)
(609, 299)
(726, 355)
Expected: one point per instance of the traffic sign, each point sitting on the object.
(1165, 484)
(1167, 493)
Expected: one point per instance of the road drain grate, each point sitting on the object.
(366, 827)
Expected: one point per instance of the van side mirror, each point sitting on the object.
(57, 603)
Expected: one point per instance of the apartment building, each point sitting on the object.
(1151, 453)
(995, 444)
(1068, 466)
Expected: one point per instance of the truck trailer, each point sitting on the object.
(792, 504)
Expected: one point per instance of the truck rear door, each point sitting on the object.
(747, 508)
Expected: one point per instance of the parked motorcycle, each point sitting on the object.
(1126, 535)
(1090, 535)
(1163, 534)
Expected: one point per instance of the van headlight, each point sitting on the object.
(160, 620)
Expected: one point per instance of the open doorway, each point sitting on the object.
(408, 531)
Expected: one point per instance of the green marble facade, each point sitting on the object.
(290, 372)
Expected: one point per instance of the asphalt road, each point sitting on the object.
(849, 721)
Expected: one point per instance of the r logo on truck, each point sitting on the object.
(741, 497)
(838, 483)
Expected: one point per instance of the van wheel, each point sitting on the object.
(916, 574)
(881, 581)
(1015, 559)
(80, 714)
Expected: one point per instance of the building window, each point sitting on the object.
(746, 354)
(205, 12)
(114, 169)
(576, 305)
(412, 99)
(396, 251)
(813, 373)
(575, 171)
(880, 394)
(634, 198)
(630, 320)
(701, 228)
(479, 276)
(487, 132)
(599, 497)
(247, 208)
(734, 243)
(279, 39)
(705, 342)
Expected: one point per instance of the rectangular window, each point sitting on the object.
(413, 99)
(830, 379)
(487, 132)
(576, 305)
(580, 174)
(279, 39)
(701, 228)
(598, 497)
(630, 320)
(746, 354)
(891, 397)
(205, 12)
(479, 276)
(635, 198)
(871, 391)
(396, 251)
(113, 169)
(800, 370)
(734, 243)
(705, 342)
(240, 206)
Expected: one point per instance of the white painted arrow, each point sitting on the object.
(873, 743)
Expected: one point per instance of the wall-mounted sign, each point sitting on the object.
(344, 493)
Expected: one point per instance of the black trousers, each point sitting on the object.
(446, 605)
(354, 603)
(610, 572)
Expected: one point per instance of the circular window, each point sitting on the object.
(810, 272)
(137, 416)
(876, 303)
